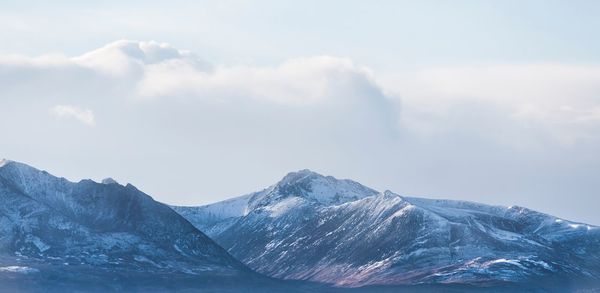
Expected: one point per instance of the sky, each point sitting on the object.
(198, 101)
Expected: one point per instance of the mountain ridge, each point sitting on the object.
(382, 238)
(307, 227)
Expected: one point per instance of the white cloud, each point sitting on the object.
(531, 103)
(555, 100)
(84, 116)
(297, 81)
(514, 133)
(130, 57)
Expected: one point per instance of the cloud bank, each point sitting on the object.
(556, 101)
(188, 131)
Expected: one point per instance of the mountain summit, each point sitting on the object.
(313, 227)
(312, 187)
(299, 188)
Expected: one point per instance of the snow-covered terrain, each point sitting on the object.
(312, 227)
(59, 235)
(217, 217)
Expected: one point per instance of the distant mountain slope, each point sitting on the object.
(212, 219)
(56, 234)
(312, 227)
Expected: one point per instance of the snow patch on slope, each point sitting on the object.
(229, 208)
(18, 269)
(284, 206)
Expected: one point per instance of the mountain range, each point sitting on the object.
(305, 233)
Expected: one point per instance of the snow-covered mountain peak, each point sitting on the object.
(20, 171)
(300, 175)
(6, 163)
(9, 163)
(314, 188)
(389, 193)
(294, 191)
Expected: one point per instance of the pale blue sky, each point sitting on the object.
(490, 101)
(383, 34)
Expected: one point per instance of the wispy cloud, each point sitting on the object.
(84, 116)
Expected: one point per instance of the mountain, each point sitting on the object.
(58, 235)
(215, 218)
(317, 228)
